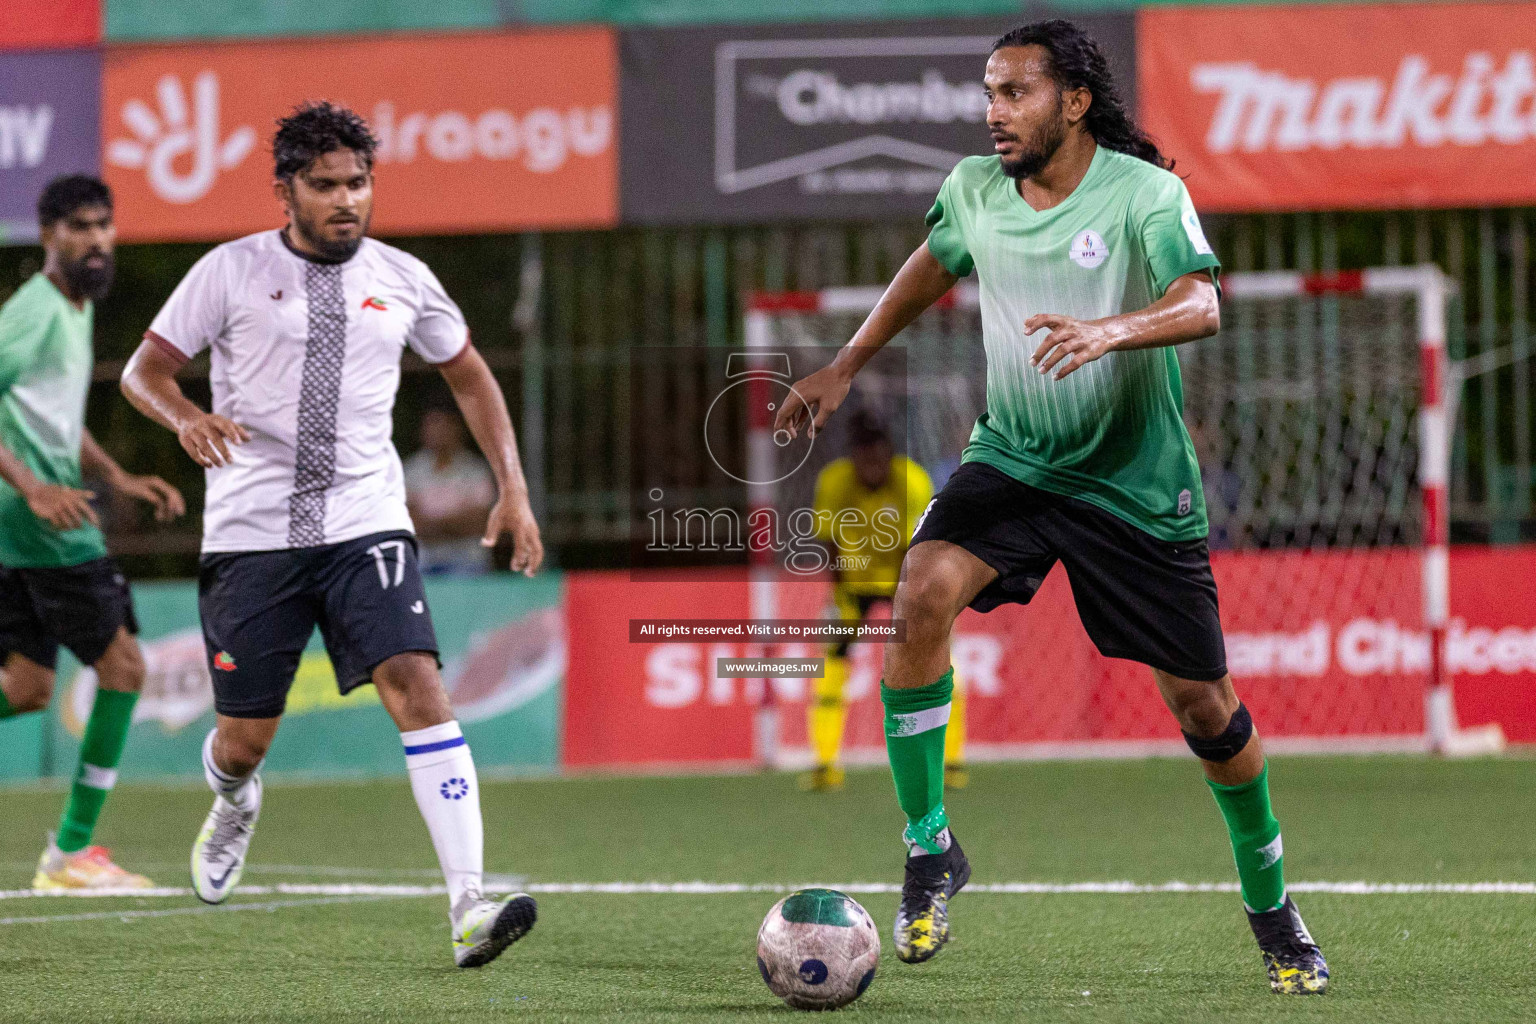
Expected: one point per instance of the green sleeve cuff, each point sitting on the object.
(951, 255)
(1195, 263)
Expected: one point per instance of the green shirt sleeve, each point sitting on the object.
(22, 330)
(1170, 232)
(946, 240)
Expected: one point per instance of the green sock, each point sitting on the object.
(914, 739)
(105, 734)
(1256, 844)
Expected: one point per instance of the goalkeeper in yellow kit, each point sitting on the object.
(863, 500)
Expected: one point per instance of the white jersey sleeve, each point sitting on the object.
(439, 332)
(194, 315)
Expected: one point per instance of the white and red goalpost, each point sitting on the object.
(1322, 417)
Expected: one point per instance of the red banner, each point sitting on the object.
(1322, 645)
(1327, 107)
(50, 23)
(478, 132)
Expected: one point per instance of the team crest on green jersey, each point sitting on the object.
(1088, 249)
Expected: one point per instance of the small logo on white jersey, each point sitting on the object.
(418, 607)
(1088, 249)
(1185, 500)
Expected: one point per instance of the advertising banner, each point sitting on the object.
(476, 132)
(502, 645)
(1337, 107)
(49, 23)
(49, 125)
(839, 121)
(650, 703)
(1323, 646)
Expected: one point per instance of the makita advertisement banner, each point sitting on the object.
(839, 121)
(49, 125)
(1325, 647)
(1334, 107)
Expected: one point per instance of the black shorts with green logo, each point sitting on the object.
(77, 607)
(1141, 598)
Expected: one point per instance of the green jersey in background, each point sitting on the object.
(45, 373)
(1112, 433)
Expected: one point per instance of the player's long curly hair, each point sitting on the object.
(1078, 63)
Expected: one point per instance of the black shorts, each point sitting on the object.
(80, 607)
(259, 609)
(1149, 600)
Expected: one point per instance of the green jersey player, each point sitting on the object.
(58, 588)
(1092, 265)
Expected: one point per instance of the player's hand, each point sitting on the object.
(825, 390)
(1070, 345)
(207, 438)
(63, 508)
(514, 515)
(165, 499)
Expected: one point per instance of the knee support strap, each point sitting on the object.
(1231, 741)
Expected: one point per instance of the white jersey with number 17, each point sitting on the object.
(306, 356)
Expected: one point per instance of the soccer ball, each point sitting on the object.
(817, 949)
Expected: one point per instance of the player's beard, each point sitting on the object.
(1041, 146)
(340, 251)
(87, 281)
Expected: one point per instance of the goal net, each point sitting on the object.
(1317, 416)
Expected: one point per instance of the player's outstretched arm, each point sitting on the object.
(1189, 310)
(920, 282)
(166, 499)
(485, 410)
(149, 384)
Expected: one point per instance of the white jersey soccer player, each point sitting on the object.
(305, 522)
(307, 359)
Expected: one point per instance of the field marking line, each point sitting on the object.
(280, 889)
(1045, 888)
(384, 891)
(228, 908)
(316, 870)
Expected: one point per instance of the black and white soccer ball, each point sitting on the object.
(817, 949)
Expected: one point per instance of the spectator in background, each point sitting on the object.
(449, 491)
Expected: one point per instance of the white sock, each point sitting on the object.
(234, 788)
(448, 795)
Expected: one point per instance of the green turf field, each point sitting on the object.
(1178, 957)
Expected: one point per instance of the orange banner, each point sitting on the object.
(1302, 107)
(477, 132)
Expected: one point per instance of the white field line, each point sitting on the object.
(227, 908)
(371, 890)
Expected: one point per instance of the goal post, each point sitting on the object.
(1321, 415)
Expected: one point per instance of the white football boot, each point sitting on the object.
(218, 855)
(483, 928)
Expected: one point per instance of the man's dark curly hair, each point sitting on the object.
(315, 129)
(1078, 63)
(64, 195)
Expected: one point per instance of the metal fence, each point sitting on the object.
(602, 293)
